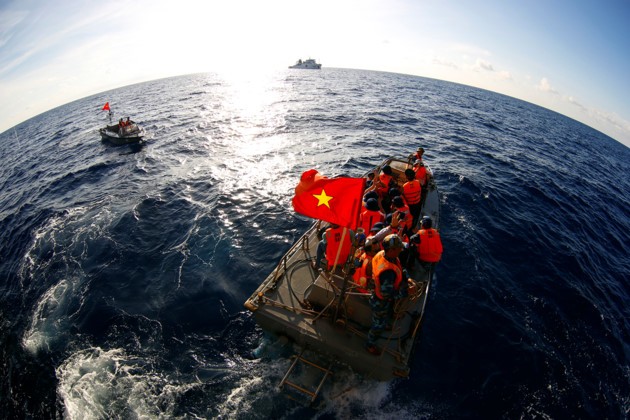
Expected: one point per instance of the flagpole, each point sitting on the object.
(345, 275)
(343, 236)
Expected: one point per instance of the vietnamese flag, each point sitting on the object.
(336, 200)
(106, 107)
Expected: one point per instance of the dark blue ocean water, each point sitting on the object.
(124, 269)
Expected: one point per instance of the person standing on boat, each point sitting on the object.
(418, 155)
(412, 193)
(423, 177)
(335, 245)
(390, 285)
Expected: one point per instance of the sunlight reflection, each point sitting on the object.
(250, 93)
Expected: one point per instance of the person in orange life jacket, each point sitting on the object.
(421, 172)
(370, 180)
(412, 193)
(427, 244)
(397, 226)
(406, 217)
(419, 152)
(363, 264)
(386, 201)
(422, 176)
(375, 229)
(393, 221)
(385, 179)
(330, 245)
(418, 155)
(390, 285)
(370, 215)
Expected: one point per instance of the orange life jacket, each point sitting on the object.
(412, 191)
(333, 242)
(361, 275)
(380, 264)
(408, 220)
(421, 175)
(369, 217)
(430, 246)
(385, 180)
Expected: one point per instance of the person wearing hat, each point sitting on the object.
(390, 285)
(418, 155)
(370, 215)
(427, 244)
(402, 208)
(421, 172)
(385, 181)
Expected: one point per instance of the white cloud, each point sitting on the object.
(545, 86)
(444, 62)
(482, 64)
(573, 101)
(9, 19)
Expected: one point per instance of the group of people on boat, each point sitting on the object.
(124, 125)
(387, 242)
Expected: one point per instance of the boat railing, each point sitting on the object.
(301, 245)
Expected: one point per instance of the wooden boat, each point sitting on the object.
(130, 133)
(322, 312)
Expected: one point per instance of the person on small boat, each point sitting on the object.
(383, 182)
(373, 232)
(406, 218)
(423, 176)
(363, 266)
(370, 215)
(427, 244)
(418, 154)
(330, 244)
(421, 172)
(412, 193)
(370, 180)
(390, 285)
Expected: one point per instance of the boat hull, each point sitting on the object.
(304, 305)
(112, 134)
(298, 66)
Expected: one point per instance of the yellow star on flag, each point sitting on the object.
(323, 199)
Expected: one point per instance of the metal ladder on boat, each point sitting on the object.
(301, 388)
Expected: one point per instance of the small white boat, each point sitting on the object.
(306, 64)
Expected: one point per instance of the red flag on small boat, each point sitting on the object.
(106, 106)
(336, 200)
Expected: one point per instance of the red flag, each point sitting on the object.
(106, 106)
(336, 200)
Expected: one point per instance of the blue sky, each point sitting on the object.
(569, 56)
